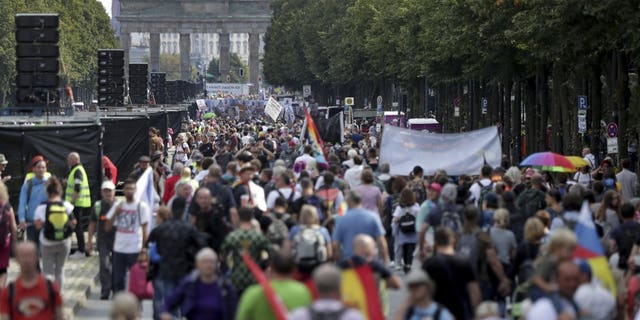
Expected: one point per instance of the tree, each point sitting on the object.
(84, 28)
(237, 66)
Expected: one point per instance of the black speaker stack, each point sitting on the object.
(138, 83)
(110, 77)
(37, 60)
(159, 87)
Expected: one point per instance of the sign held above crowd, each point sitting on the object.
(457, 153)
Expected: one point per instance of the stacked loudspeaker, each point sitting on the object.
(37, 65)
(158, 87)
(110, 77)
(138, 83)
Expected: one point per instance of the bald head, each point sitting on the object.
(364, 246)
(206, 254)
(327, 279)
(73, 158)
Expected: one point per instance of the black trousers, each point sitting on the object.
(407, 254)
(82, 216)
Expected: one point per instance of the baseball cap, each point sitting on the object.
(108, 185)
(36, 159)
(435, 187)
(292, 143)
(3, 159)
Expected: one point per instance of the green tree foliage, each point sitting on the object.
(84, 28)
(236, 64)
(529, 58)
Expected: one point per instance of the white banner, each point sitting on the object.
(273, 109)
(235, 89)
(458, 153)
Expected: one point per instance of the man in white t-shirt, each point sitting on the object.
(130, 218)
(559, 305)
(284, 189)
(485, 181)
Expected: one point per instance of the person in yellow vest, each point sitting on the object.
(78, 194)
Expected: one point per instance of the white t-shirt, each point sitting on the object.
(475, 190)
(180, 152)
(286, 193)
(41, 215)
(128, 226)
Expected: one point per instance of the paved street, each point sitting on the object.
(98, 309)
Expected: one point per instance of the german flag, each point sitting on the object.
(360, 290)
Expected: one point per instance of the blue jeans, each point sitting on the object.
(163, 288)
(122, 262)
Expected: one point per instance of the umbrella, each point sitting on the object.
(208, 116)
(577, 162)
(548, 161)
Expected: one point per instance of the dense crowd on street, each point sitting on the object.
(240, 197)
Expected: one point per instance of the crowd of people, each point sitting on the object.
(497, 245)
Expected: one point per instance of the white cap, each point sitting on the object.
(108, 185)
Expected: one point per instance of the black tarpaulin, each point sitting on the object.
(125, 141)
(21, 143)
(329, 129)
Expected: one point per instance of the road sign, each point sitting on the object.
(484, 104)
(306, 90)
(612, 130)
(379, 101)
(456, 111)
(349, 101)
(228, 78)
(456, 102)
(582, 123)
(612, 145)
(260, 78)
(582, 102)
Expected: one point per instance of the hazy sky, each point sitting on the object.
(107, 5)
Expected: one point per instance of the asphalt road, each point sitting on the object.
(97, 309)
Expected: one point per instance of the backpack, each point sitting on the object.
(483, 192)
(407, 222)
(451, 220)
(412, 310)
(57, 225)
(559, 306)
(417, 187)
(12, 295)
(326, 315)
(309, 248)
(277, 231)
(328, 197)
(290, 200)
(468, 247)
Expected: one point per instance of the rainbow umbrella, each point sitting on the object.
(577, 162)
(548, 161)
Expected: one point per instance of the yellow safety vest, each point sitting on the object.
(30, 175)
(84, 199)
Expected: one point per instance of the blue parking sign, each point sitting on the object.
(582, 102)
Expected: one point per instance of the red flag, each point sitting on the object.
(279, 309)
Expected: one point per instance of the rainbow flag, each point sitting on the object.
(314, 138)
(278, 307)
(360, 290)
(590, 249)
